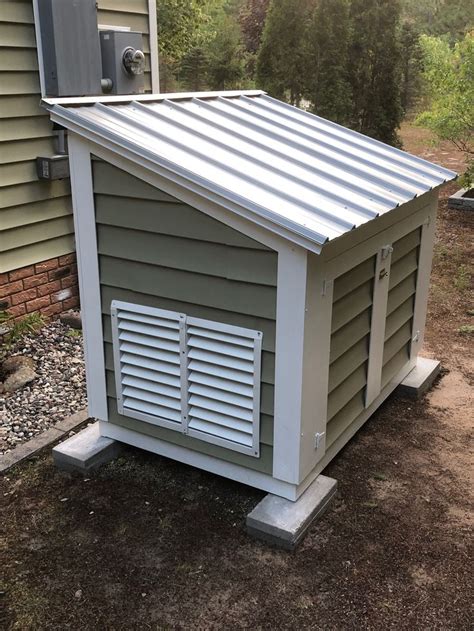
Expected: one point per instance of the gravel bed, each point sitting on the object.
(58, 392)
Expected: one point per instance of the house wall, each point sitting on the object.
(157, 251)
(50, 287)
(36, 224)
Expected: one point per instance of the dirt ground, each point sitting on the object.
(146, 543)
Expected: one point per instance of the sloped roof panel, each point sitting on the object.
(309, 175)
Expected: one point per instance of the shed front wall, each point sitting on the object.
(353, 275)
(35, 216)
(156, 251)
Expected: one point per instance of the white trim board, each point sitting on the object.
(187, 456)
(425, 260)
(154, 59)
(241, 474)
(378, 323)
(88, 271)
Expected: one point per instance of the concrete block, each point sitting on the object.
(421, 378)
(284, 523)
(85, 450)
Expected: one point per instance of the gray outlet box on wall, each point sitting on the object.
(122, 61)
(70, 47)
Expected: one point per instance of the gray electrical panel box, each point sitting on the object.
(70, 46)
(116, 47)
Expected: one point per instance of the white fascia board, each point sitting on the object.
(170, 176)
(129, 98)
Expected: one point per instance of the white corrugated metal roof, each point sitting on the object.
(308, 175)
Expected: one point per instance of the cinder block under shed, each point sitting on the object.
(85, 451)
(421, 378)
(283, 523)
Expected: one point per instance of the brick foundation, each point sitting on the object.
(49, 287)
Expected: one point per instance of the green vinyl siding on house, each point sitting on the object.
(35, 216)
(159, 252)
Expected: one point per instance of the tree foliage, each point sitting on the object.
(226, 55)
(374, 68)
(448, 72)
(328, 87)
(252, 17)
(281, 60)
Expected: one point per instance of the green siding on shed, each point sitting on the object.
(349, 351)
(401, 304)
(26, 132)
(157, 251)
(351, 326)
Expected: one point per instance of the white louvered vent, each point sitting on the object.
(148, 363)
(224, 383)
(195, 376)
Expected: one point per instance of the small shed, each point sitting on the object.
(253, 278)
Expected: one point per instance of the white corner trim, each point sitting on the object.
(377, 323)
(88, 271)
(39, 47)
(154, 59)
(425, 260)
(317, 344)
(289, 347)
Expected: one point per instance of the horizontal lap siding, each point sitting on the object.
(349, 351)
(351, 324)
(26, 132)
(156, 251)
(401, 303)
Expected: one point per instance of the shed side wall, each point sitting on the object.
(157, 251)
(351, 327)
(35, 216)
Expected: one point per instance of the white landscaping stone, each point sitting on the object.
(85, 450)
(421, 378)
(284, 523)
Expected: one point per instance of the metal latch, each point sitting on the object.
(318, 439)
(386, 250)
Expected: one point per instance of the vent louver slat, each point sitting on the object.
(148, 363)
(223, 373)
(195, 376)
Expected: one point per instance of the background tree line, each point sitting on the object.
(356, 62)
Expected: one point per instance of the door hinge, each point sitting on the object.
(416, 337)
(318, 439)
